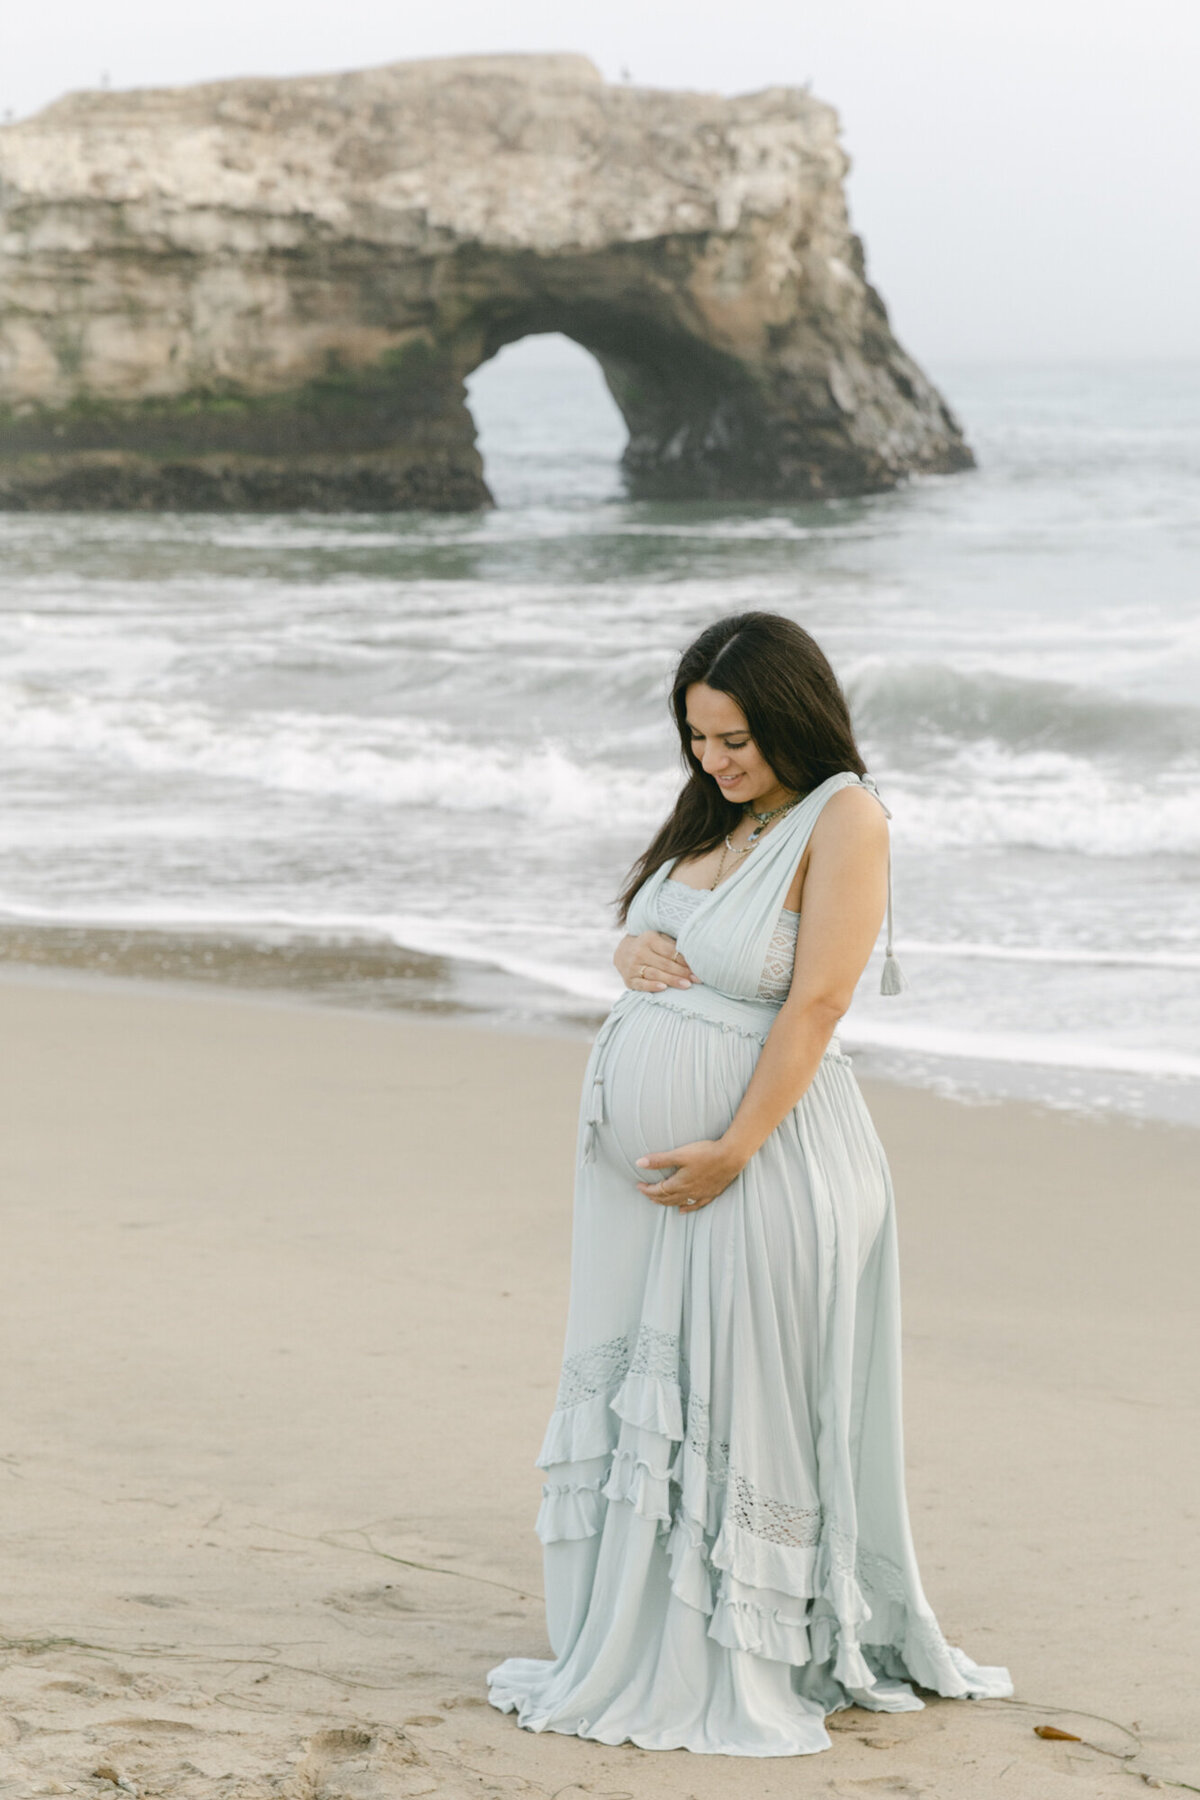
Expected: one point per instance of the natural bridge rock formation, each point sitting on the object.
(267, 294)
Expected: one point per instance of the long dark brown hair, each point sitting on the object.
(796, 714)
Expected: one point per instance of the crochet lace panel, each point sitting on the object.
(881, 1574)
(602, 1367)
(593, 1371)
(655, 1353)
(776, 979)
(760, 1514)
(676, 902)
(765, 1516)
(714, 1453)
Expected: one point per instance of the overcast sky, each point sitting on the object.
(1025, 171)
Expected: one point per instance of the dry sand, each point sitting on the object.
(283, 1296)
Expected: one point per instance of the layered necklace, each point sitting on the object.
(763, 820)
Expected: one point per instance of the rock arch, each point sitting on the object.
(269, 294)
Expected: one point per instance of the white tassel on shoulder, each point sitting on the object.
(893, 979)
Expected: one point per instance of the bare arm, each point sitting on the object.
(845, 893)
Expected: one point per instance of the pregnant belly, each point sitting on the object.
(669, 1077)
(673, 1069)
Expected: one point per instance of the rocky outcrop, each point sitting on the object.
(267, 294)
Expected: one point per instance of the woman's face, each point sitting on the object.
(722, 745)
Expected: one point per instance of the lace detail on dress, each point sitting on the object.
(655, 1353)
(603, 1366)
(879, 1575)
(884, 1576)
(591, 1372)
(777, 1521)
(701, 1441)
(776, 979)
(676, 901)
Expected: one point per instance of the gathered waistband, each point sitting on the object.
(750, 1018)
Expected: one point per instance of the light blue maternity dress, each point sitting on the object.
(727, 1548)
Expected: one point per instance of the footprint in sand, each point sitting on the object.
(349, 1763)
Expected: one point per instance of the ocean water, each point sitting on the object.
(405, 760)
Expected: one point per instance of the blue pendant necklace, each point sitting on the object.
(764, 819)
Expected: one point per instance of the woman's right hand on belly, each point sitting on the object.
(650, 962)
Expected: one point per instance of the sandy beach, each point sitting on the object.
(283, 1296)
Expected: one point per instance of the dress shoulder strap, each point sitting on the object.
(893, 979)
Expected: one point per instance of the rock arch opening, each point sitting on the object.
(547, 427)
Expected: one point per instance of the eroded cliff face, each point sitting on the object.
(267, 294)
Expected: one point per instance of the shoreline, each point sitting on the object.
(283, 1306)
(378, 978)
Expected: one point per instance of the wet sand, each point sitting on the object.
(282, 1306)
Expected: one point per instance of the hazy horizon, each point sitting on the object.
(1022, 178)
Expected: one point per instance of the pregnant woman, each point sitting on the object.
(727, 1549)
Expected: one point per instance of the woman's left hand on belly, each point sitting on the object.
(701, 1172)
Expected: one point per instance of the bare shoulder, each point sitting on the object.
(852, 819)
(848, 843)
